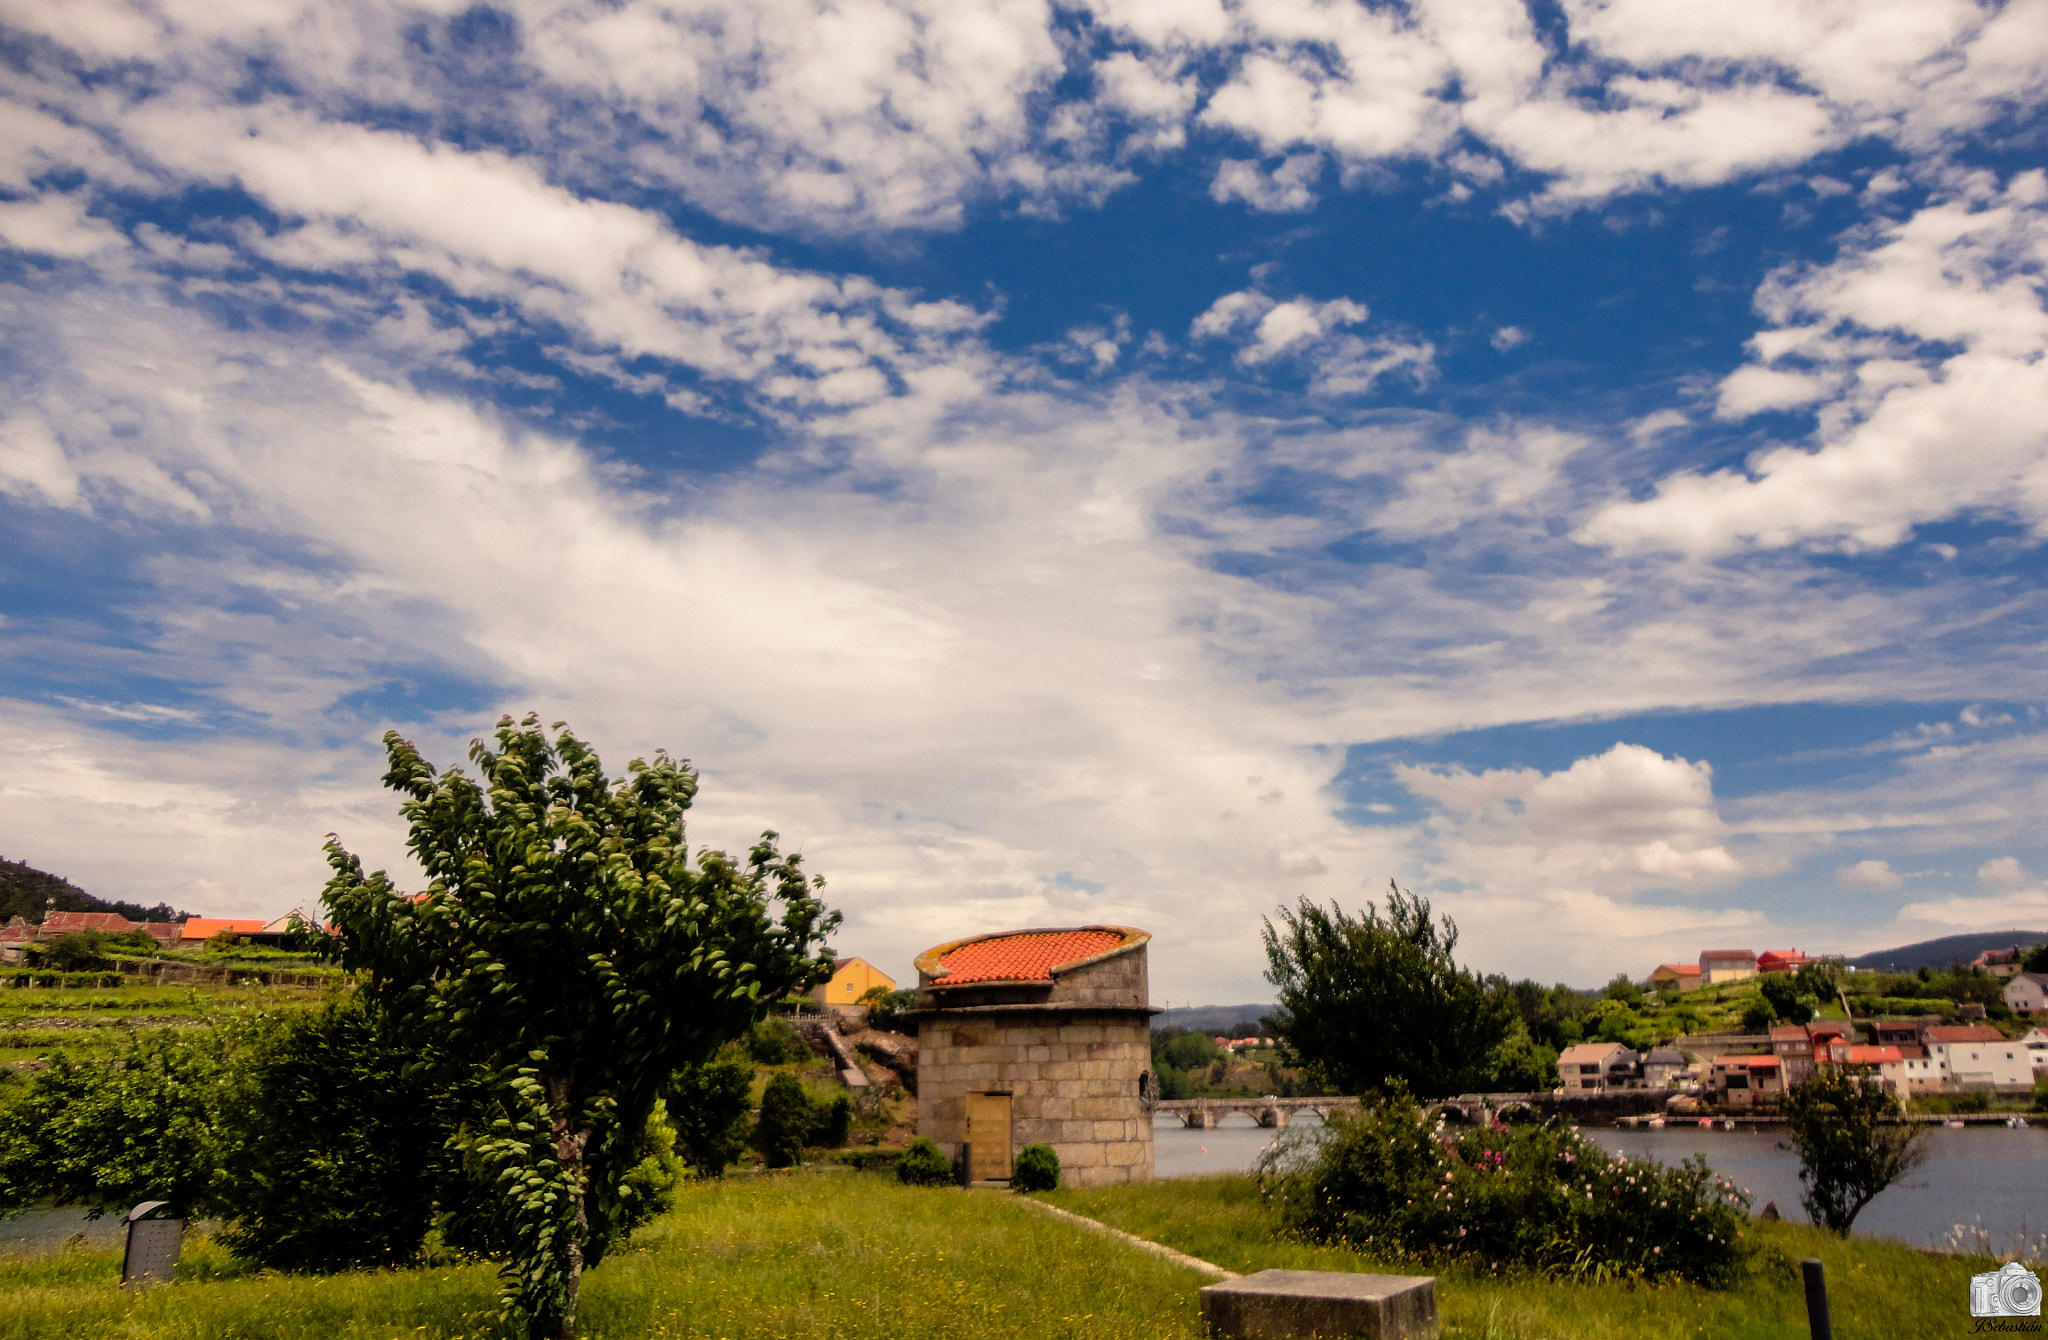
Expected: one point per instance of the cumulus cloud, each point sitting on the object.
(1924, 334)
(1266, 329)
(1627, 817)
(1287, 189)
(1868, 877)
(2004, 872)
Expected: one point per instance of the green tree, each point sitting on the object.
(73, 951)
(1373, 999)
(707, 1105)
(1521, 1064)
(1789, 1000)
(569, 957)
(786, 1121)
(1757, 1014)
(1624, 990)
(1838, 1122)
(334, 1153)
(147, 1127)
(2036, 959)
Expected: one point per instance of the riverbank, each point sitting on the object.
(818, 1255)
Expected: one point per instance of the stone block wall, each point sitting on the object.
(1072, 1077)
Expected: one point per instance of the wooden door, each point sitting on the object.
(988, 1137)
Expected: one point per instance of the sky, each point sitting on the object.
(1111, 461)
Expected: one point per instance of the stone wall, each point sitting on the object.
(1072, 1076)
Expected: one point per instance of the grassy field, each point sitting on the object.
(814, 1254)
(807, 1255)
(1876, 1288)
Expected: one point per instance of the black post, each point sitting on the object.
(1816, 1300)
(966, 1164)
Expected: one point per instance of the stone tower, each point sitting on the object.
(1039, 1037)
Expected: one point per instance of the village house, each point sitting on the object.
(2000, 962)
(1596, 1066)
(2035, 1040)
(106, 923)
(1794, 1048)
(851, 979)
(1780, 960)
(1039, 1037)
(1917, 1070)
(1726, 965)
(1674, 977)
(1889, 1063)
(2027, 994)
(198, 930)
(1665, 1068)
(1903, 1032)
(1978, 1056)
(1745, 1081)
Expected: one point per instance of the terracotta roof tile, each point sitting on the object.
(1965, 1033)
(1028, 956)
(205, 928)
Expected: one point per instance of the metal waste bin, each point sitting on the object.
(155, 1233)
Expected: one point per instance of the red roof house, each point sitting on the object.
(1779, 960)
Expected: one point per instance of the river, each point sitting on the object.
(1982, 1176)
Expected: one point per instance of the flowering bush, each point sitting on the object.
(1388, 1181)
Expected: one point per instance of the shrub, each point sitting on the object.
(924, 1164)
(784, 1126)
(707, 1106)
(73, 951)
(334, 1148)
(1037, 1169)
(1540, 1197)
(886, 1008)
(831, 1121)
(649, 1188)
(775, 1041)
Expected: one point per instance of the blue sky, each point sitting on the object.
(1106, 461)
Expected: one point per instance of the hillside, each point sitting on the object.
(1948, 949)
(1208, 1018)
(26, 892)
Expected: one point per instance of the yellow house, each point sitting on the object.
(851, 979)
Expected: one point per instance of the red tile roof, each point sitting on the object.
(1682, 969)
(205, 928)
(1965, 1033)
(110, 923)
(1872, 1055)
(1025, 956)
(1726, 953)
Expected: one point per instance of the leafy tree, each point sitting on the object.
(831, 1121)
(1847, 1151)
(1189, 1051)
(707, 1105)
(148, 1127)
(569, 956)
(1787, 999)
(1757, 1014)
(74, 951)
(784, 1127)
(1373, 999)
(334, 1154)
(2036, 960)
(1521, 1064)
(775, 1041)
(1624, 990)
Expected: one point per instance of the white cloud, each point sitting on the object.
(1925, 348)
(1630, 817)
(2004, 872)
(1868, 877)
(1287, 189)
(2019, 910)
(1508, 337)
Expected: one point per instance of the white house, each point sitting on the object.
(1594, 1065)
(1978, 1056)
(2035, 1040)
(2027, 993)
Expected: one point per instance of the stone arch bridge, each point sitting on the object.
(1466, 1109)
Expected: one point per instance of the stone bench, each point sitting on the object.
(1329, 1304)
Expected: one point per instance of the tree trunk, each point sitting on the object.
(569, 1147)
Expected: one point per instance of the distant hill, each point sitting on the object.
(26, 892)
(1209, 1018)
(1938, 954)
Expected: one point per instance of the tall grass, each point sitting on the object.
(801, 1255)
(1876, 1288)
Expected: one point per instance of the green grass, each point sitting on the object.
(809, 1256)
(813, 1255)
(1876, 1288)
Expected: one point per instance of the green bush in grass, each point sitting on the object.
(784, 1126)
(1385, 1181)
(924, 1164)
(1037, 1169)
